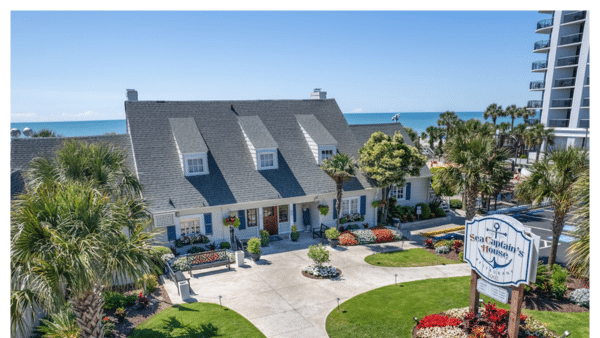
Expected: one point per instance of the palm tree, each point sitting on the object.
(579, 251)
(493, 111)
(538, 135)
(447, 119)
(472, 156)
(552, 178)
(432, 132)
(67, 241)
(503, 129)
(548, 139)
(518, 135)
(526, 113)
(340, 168)
(513, 112)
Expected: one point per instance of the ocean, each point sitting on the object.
(418, 121)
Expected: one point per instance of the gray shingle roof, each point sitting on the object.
(363, 133)
(23, 150)
(315, 129)
(187, 136)
(257, 132)
(233, 177)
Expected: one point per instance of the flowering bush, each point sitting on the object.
(383, 235)
(167, 257)
(437, 332)
(347, 238)
(533, 328)
(457, 245)
(181, 264)
(429, 243)
(319, 254)
(143, 300)
(321, 271)
(438, 321)
(364, 236)
(397, 235)
(580, 297)
(442, 250)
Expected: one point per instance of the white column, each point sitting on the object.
(260, 218)
(291, 215)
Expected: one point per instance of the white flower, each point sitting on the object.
(580, 297)
(364, 236)
(324, 271)
(442, 249)
(439, 332)
(167, 257)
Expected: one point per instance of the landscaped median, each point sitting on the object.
(408, 258)
(196, 320)
(442, 231)
(389, 311)
(369, 236)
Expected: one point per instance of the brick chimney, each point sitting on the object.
(132, 95)
(317, 94)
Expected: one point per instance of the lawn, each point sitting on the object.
(408, 258)
(389, 311)
(196, 320)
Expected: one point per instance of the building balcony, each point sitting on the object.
(587, 81)
(561, 103)
(567, 61)
(539, 65)
(574, 17)
(534, 104)
(566, 82)
(571, 39)
(541, 45)
(558, 123)
(546, 23)
(536, 85)
(584, 123)
(585, 103)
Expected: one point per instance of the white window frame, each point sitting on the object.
(259, 161)
(347, 204)
(185, 229)
(394, 192)
(333, 150)
(199, 156)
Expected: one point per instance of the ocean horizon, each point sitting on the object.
(418, 121)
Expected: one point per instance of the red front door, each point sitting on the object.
(270, 220)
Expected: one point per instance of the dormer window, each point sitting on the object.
(321, 143)
(262, 146)
(191, 148)
(326, 153)
(266, 161)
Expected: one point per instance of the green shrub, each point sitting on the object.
(195, 249)
(264, 238)
(375, 204)
(319, 254)
(332, 233)
(456, 204)
(130, 300)
(254, 244)
(178, 243)
(461, 256)
(425, 211)
(225, 245)
(160, 250)
(323, 209)
(439, 212)
(542, 279)
(295, 234)
(121, 313)
(559, 278)
(109, 329)
(352, 227)
(61, 324)
(113, 300)
(524, 156)
(151, 283)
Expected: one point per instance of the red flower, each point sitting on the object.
(347, 238)
(437, 321)
(382, 235)
(523, 317)
(105, 319)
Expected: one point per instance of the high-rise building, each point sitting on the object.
(565, 87)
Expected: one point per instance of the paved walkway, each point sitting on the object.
(281, 302)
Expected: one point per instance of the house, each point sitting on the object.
(201, 162)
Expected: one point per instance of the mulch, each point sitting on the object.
(159, 301)
(305, 274)
(538, 300)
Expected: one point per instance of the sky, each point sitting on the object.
(69, 66)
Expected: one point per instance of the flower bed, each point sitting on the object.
(492, 322)
(323, 272)
(368, 236)
(442, 231)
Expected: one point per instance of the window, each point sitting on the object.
(397, 192)
(195, 164)
(268, 211)
(349, 206)
(283, 213)
(189, 226)
(267, 161)
(326, 154)
(252, 215)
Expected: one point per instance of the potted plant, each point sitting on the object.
(295, 234)
(332, 234)
(324, 209)
(254, 248)
(265, 237)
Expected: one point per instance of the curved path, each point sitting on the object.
(281, 302)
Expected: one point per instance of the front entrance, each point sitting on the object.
(270, 220)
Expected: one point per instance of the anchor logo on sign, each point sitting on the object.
(495, 231)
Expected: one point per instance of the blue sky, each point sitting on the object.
(77, 65)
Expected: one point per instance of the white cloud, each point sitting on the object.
(21, 115)
(87, 113)
(358, 110)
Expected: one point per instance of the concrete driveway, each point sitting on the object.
(281, 302)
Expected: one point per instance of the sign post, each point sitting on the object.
(502, 253)
(419, 211)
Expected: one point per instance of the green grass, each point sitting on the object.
(196, 320)
(389, 311)
(408, 258)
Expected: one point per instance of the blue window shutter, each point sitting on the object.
(208, 223)
(363, 205)
(408, 191)
(294, 211)
(334, 210)
(171, 234)
(242, 217)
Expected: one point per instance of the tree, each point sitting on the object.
(513, 112)
(519, 141)
(340, 168)
(414, 137)
(472, 155)
(45, 133)
(579, 251)
(67, 240)
(387, 161)
(447, 119)
(503, 129)
(553, 178)
(494, 111)
(526, 113)
(538, 135)
(432, 132)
